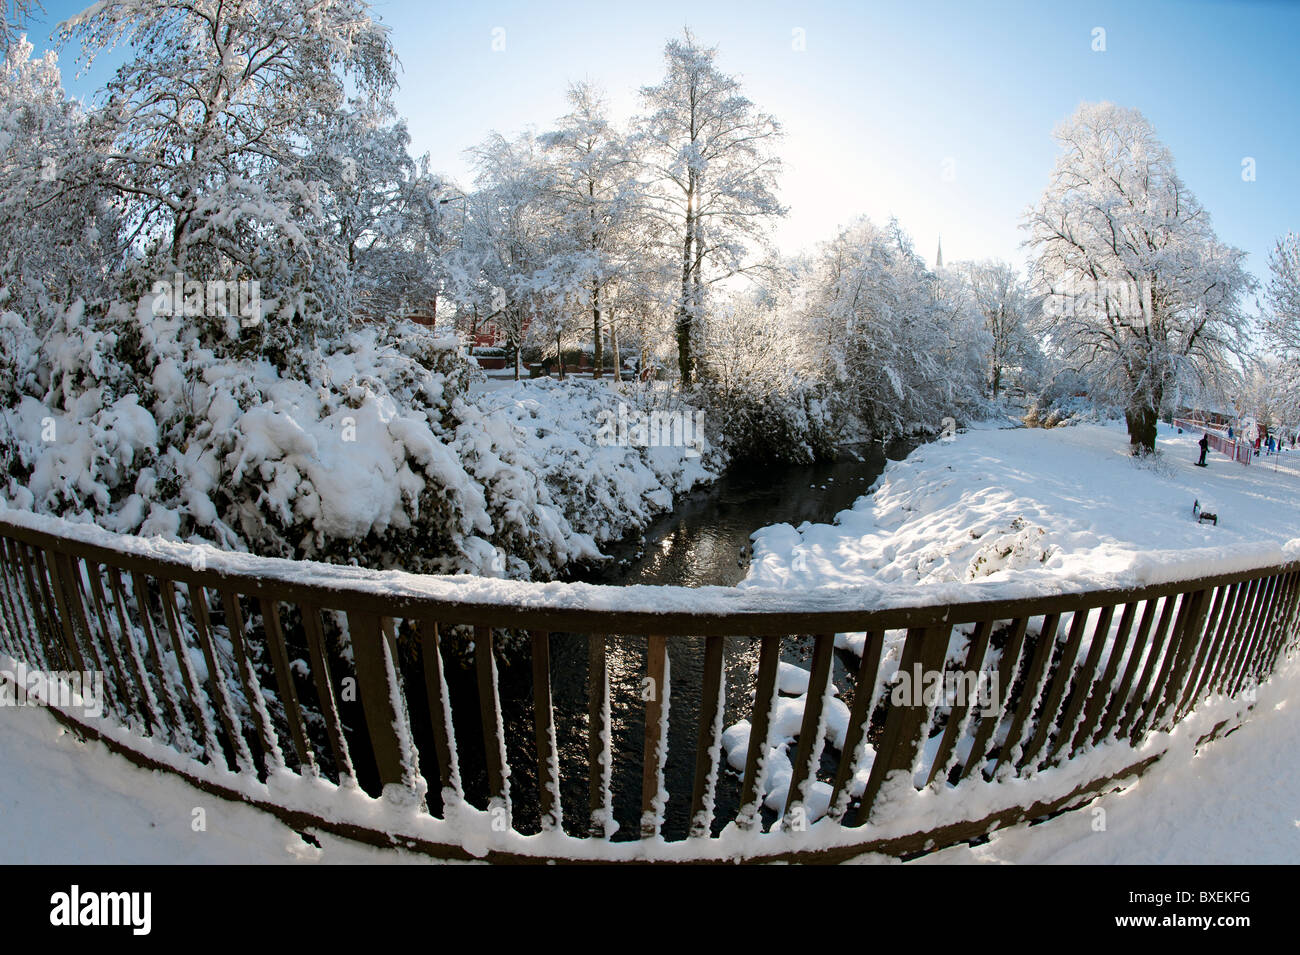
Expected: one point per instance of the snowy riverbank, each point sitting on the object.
(1004, 505)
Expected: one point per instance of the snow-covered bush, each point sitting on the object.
(760, 396)
(561, 477)
(1065, 400)
(374, 454)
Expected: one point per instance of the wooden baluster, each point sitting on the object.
(1130, 724)
(1099, 699)
(1083, 685)
(47, 626)
(53, 568)
(55, 613)
(1056, 691)
(548, 754)
(1286, 616)
(708, 739)
(1272, 640)
(26, 636)
(600, 740)
(180, 728)
(749, 814)
(218, 692)
(901, 745)
(974, 665)
(268, 744)
(198, 702)
(1008, 669)
(1118, 701)
(654, 797)
(1251, 622)
(284, 683)
(1214, 622)
(864, 700)
(153, 713)
(444, 738)
(373, 653)
(1174, 676)
(494, 746)
(1222, 652)
(1032, 689)
(324, 683)
(132, 693)
(808, 753)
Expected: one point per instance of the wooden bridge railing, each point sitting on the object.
(249, 675)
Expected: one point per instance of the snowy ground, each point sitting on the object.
(1070, 501)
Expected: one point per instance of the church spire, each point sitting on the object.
(938, 256)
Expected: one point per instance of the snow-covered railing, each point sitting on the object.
(331, 695)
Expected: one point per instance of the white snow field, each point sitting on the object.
(1019, 511)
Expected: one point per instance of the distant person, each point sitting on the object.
(1230, 432)
(1205, 447)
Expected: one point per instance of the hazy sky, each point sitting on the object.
(939, 113)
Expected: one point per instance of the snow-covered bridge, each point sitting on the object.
(322, 694)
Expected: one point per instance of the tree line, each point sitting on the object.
(245, 140)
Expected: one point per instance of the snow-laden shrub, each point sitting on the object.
(596, 484)
(800, 422)
(373, 454)
(1065, 400)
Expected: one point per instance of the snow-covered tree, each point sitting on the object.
(383, 206)
(506, 266)
(1283, 294)
(1141, 296)
(13, 18)
(203, 132)
(594, 201)
(903, 347)
(58, 232)
(707, 149)
(1009, 312)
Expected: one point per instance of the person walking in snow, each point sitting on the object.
(1205, 447)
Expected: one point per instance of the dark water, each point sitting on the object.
(704, 541)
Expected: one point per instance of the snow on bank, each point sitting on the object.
(1005, 505)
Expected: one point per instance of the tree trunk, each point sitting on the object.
(613, 341)
(1141, 418)
(598, 357)
(685, 309)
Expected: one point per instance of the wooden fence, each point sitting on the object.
(232, 676)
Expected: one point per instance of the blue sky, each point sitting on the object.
(885, 99)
